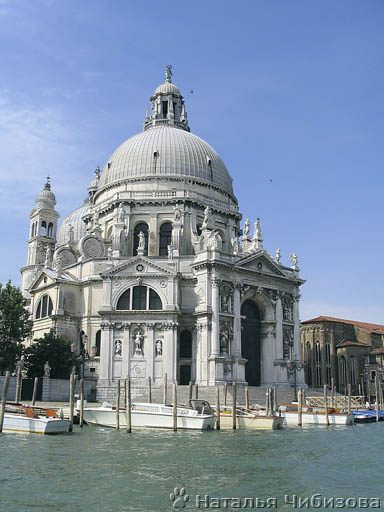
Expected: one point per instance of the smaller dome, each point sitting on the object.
(73, 221)
(167, 88)
(46, 198)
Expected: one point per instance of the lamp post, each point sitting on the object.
(293, 367)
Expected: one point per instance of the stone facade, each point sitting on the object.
(347, 351)
(153, 275)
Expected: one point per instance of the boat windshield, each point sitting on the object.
(201, 406)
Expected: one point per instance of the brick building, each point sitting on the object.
(345, 350)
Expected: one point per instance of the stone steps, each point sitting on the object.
(256, 394)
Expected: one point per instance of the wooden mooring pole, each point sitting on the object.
(18, 385)
(149, 390)
(332, 392)
(225, 390)
(34, 393)
(190, 390)
(128, 404)
(4, 399)
(196, 391)
(246, 391)
(81, 420)
(326, 404)
(165, 384)
(118, 404)
(71, 400)
(217, 408)
(234, 405)
(175, 407)
(299, 408)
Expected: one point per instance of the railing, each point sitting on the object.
(338, 401)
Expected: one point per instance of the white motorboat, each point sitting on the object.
(197, 416)
(33, 420)
(312, 416)
(249, 419)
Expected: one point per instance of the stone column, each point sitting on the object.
(237, 321)
(279, 329)
(126, 351)
(106, 353)
(296, 337)
(107, 296)
(215, 304)
(149, 349)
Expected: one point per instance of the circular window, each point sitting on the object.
(140, 267)
(259, 266)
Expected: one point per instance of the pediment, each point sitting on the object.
(260, 262)
(42, 280)
(47, 277)
(137, 266)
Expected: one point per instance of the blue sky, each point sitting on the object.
(288, 91)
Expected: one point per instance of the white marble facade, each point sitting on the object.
(154, 275)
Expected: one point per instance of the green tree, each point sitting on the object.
(15, 325)
(54, 349)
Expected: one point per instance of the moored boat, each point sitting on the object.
(312, 416)
(33, 420)
(197, 416)
(249, 419)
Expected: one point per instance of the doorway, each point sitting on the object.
(250, 341)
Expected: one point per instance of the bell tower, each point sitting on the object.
(42, 236)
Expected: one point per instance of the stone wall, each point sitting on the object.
(11, 388)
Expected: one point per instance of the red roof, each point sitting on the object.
(373, 328)
(350, 343)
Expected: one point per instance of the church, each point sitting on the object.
(154, 273)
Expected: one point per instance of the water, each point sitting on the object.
(97, 469)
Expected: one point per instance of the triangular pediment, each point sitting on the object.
(47, 277)
(260, 262)
(137, 266)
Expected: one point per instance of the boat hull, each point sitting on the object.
(143, 419)
(291, 418)
(251, 422)
(16, 423)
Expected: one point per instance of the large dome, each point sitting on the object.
(74, 220)
(169, 151)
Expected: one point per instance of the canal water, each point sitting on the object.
(96, 469)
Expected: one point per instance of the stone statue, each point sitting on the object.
(48, 256)
(138, 340)
(141, 246)
(224, 342)
(159, 348)
(257, 230)
(278, 255)
(120, 213)
(247, 226)
(168, 73)
(177, 212)
(47, 369)
(207, 213)
(294, 261)
(235, 246)
(118, 347)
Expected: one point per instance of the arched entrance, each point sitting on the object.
(185, 357)
(250, 341)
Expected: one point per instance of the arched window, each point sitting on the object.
(50, 230)
(45, 307)
(43, 231)
(318, 364)
(352, 371)
(343, 368)
(97, 343)
(143, 227)
(185, 345)
(308, 359)
(139, 298)
(165, 238)
(328, 363)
